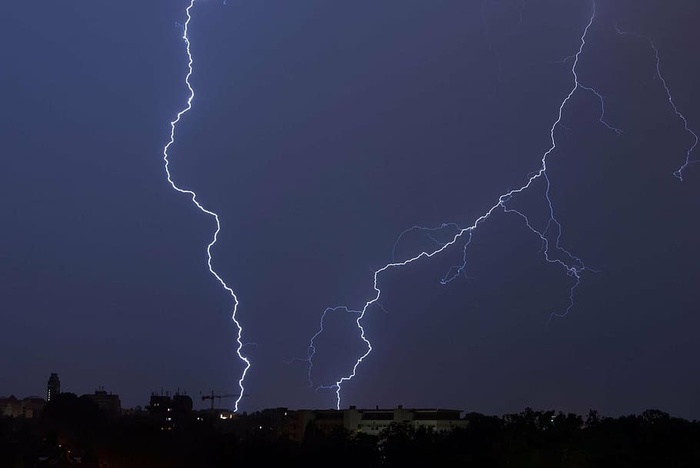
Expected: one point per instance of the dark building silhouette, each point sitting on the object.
(107, 402)
(53, 387)
(32, 406)
(170, 410)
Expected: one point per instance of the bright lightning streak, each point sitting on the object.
(657, 58)
(572, 265)
(601, 119)
(193, 196)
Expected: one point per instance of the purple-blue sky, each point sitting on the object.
(320, 131)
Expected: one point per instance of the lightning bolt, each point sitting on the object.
(311, 350)
(193, 196)
(657, 59)
(550, 234)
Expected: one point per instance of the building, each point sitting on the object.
(376, 420)
(53, 387)
(170, 411)
(32, 406)
(366, 421)
(10, 407)
(29, 407)
(107, 402)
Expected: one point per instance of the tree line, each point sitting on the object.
(73, 431)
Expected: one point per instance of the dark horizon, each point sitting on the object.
(320, 134)
(204, 404)
(73, 430)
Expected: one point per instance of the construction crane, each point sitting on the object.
(213, 396)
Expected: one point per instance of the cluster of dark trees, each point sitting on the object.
(73, 431)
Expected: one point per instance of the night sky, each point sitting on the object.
(320, 131)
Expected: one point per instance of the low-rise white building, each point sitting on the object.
(374, 421)
(370, 421)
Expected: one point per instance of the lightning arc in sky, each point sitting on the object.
(657, 60)
(193, 196)
(550, 235)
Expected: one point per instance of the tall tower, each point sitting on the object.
(53, 388)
